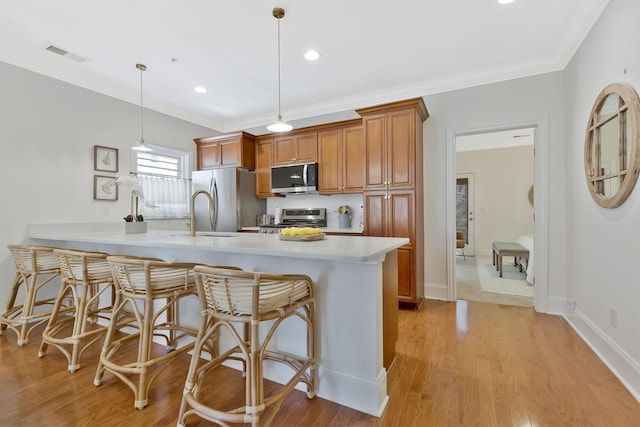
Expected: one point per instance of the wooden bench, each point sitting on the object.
(515, 250)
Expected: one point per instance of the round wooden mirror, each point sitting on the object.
(611, 158)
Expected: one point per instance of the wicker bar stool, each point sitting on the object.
(149, 289)
(87, 285)
(32, 263)
(248, 299)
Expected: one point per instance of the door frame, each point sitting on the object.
(470, 249)
(540, 205)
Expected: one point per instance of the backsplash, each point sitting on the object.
(330, 203)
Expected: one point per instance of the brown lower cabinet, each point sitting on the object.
(392, 213)
(406, 267)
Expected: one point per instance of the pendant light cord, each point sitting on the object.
(141, 146)
(279, 125)
(279, 111)
(141, 107)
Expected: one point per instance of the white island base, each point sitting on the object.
(355, 284)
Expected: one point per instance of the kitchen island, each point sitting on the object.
(355, 284)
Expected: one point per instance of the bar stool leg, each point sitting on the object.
(32, 287)
(74, 334)
(118, 306)
(12, 299)
(10, 304)
(27, 310)
(311, 336)
(53, 318)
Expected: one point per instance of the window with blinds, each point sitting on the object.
(164, 177)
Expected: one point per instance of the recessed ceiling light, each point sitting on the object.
(200, 89)
(311, 55)
(505, 1)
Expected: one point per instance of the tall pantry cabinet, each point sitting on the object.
(393, 188)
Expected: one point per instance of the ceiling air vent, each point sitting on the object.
(66, 54)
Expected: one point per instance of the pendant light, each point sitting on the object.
(141, 145)
(280, 125)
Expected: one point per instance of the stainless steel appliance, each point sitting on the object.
(299, 217)
(302, 178)
(235, 205)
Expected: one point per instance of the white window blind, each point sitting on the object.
(163, 176)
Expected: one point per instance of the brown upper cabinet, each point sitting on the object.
(264, 161)
(229, 150)
(390, 137)
(295, 148)
(341, 160)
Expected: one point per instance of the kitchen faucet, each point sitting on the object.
(193, 210)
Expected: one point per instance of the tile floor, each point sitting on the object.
(468, 286)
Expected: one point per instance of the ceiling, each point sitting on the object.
(372, 51)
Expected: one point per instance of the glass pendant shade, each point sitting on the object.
(280, 126)
(142, 146)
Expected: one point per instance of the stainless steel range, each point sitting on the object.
(298, 217)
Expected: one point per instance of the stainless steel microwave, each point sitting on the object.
(302, 178)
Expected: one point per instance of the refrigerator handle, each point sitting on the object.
(214, 214)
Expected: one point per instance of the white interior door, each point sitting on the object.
(465, 210)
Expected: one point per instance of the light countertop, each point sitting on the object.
(337, 248)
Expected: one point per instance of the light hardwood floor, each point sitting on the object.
(458, 364)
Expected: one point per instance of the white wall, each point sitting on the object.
(602, 270)
(47, 132)
(502, 180)
(499, 106)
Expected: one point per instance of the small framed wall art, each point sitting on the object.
(104, 188)
(105, 159)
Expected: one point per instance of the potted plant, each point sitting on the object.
(134, 222)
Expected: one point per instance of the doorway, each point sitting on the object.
(503, 164)
(465, 207)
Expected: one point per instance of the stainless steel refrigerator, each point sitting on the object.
(235, 204)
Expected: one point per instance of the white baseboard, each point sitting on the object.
(619, 363)
(556, 305)
(436, 291)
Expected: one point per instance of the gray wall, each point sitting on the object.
(47, 132)
(603, 244)
(496, 106)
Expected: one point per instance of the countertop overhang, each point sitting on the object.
(334, 248)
